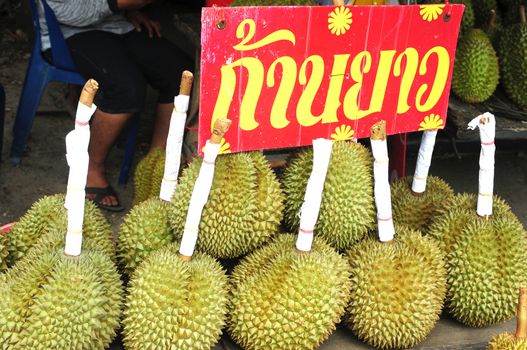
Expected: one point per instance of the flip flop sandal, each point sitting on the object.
(101, 193)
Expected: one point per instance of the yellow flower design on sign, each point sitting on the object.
(339, 20)
(431, 12)
(342, 133)
(431, 122)
(225, 147)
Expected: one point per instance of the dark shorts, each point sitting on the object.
(124, 64)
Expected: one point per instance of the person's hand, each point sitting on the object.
(132, 4)
(139, 20)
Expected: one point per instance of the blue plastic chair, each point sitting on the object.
(39, 73)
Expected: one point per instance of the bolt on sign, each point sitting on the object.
(288, 75)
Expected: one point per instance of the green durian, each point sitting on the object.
(52, 301)
(244, 207)
(512, 50)
(144, 229)
(148, 175)
(347, 211)
(507, 341)
(476, 71)
(416, 212)
(397, 289)
(283, 299)
(273, 3)
(175, 304)
(485, 259)
(49, 212)
(3, 252)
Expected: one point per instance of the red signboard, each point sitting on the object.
(288, 75)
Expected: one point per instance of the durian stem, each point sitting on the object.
(492, 19)
(201, 190)
(522, 14)
(424, 159)
(313, 196)
(521, 323)
(383, 200)
(175, 138)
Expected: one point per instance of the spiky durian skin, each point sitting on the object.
(283, 299)
(144, 229)
(49, 212)
(512, 50)
(273, 3)
(476, 71)
(397, 289)
(347, 211)
(244, 207)
(3, 252)
(146, 177)
(507, 341)
(175, 304)
(416, 212)
(52, 301)
(485, 259)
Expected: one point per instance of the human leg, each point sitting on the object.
(102, 56)
(162, 64)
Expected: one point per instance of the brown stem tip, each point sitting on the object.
(378, 131)
(186, 83)
(88, 92)
(221, 126)
(521, 323)
(522, 14)
(184, 257)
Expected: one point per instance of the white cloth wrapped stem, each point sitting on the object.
(487, 132)
(424, 160)
(383, 199)
(198, 199)
(313, 196)
(173, 148)
(83, 115)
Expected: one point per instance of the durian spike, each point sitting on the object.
(175, 138)
(424, 160)
(201, 190)
(77, 142)
(313, 196)
(521, 322)
(522, 14)
(487, 130)
(383, 200)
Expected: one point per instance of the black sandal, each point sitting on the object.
(101, 193)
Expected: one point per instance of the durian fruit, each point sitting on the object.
(175, 304)
(49, 212)
(244, 208)
(397, 289)
(3, 252)
(518, 341)
(273, 3)
(64, 298)
(178, 300)
(146, 227)
(291, 298)
(285, 299)
(347, 210)
(414, 211)
(398, 283)
(485, 247)
(476, 71)
(53, 301)
(513, 60)
(148, 175)
(492, 250)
